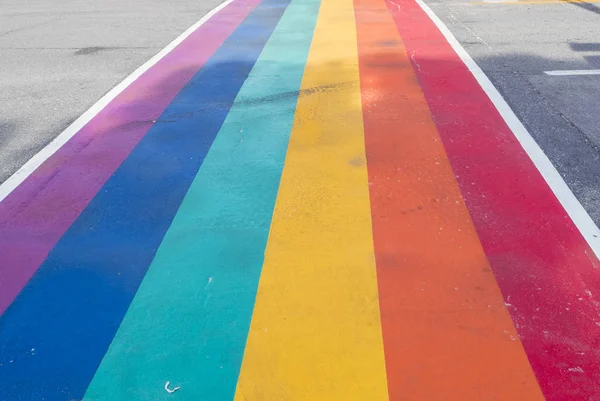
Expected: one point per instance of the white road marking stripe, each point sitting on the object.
(32, 164)
(572, 72)
(589, 230)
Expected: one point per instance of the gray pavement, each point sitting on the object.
(57, 58)
(514, 44)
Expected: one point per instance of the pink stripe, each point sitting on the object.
(37, 213)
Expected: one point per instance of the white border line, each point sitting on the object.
(572, 72)
(32, 164)
(574, 209)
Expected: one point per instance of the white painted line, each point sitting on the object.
(574, 209)
(32, 164)
(572, 72)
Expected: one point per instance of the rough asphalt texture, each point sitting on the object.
(514, 44)
(57, 58)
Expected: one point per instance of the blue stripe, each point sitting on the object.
(54, 335)
(189, 321)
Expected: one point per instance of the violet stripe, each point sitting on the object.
(38, 212)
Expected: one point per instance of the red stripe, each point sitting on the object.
(547, 273)
(441, 308)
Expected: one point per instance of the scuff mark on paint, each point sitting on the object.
(395, 4)
(412, 57)
(167, 384)
(84, 51)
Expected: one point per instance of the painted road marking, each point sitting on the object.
(74, 304)
(572, 72)
(441, 308)
(338, 299)
(546, 271)
(37, 213)
(557, 184)
(316, 331)
(194, 306)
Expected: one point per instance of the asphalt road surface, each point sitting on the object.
(57, 58)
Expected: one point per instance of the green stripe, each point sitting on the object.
(189, 321)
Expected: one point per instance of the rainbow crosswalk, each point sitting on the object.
(304, 200)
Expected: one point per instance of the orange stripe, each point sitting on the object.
(447, 333)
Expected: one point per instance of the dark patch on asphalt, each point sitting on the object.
(593, 61)
(85, 51)
(587, 6)
(585, 47)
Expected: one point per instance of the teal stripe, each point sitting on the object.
(189, 321)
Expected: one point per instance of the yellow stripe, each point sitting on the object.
(316, 331)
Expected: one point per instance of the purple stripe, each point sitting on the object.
(38, 212)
